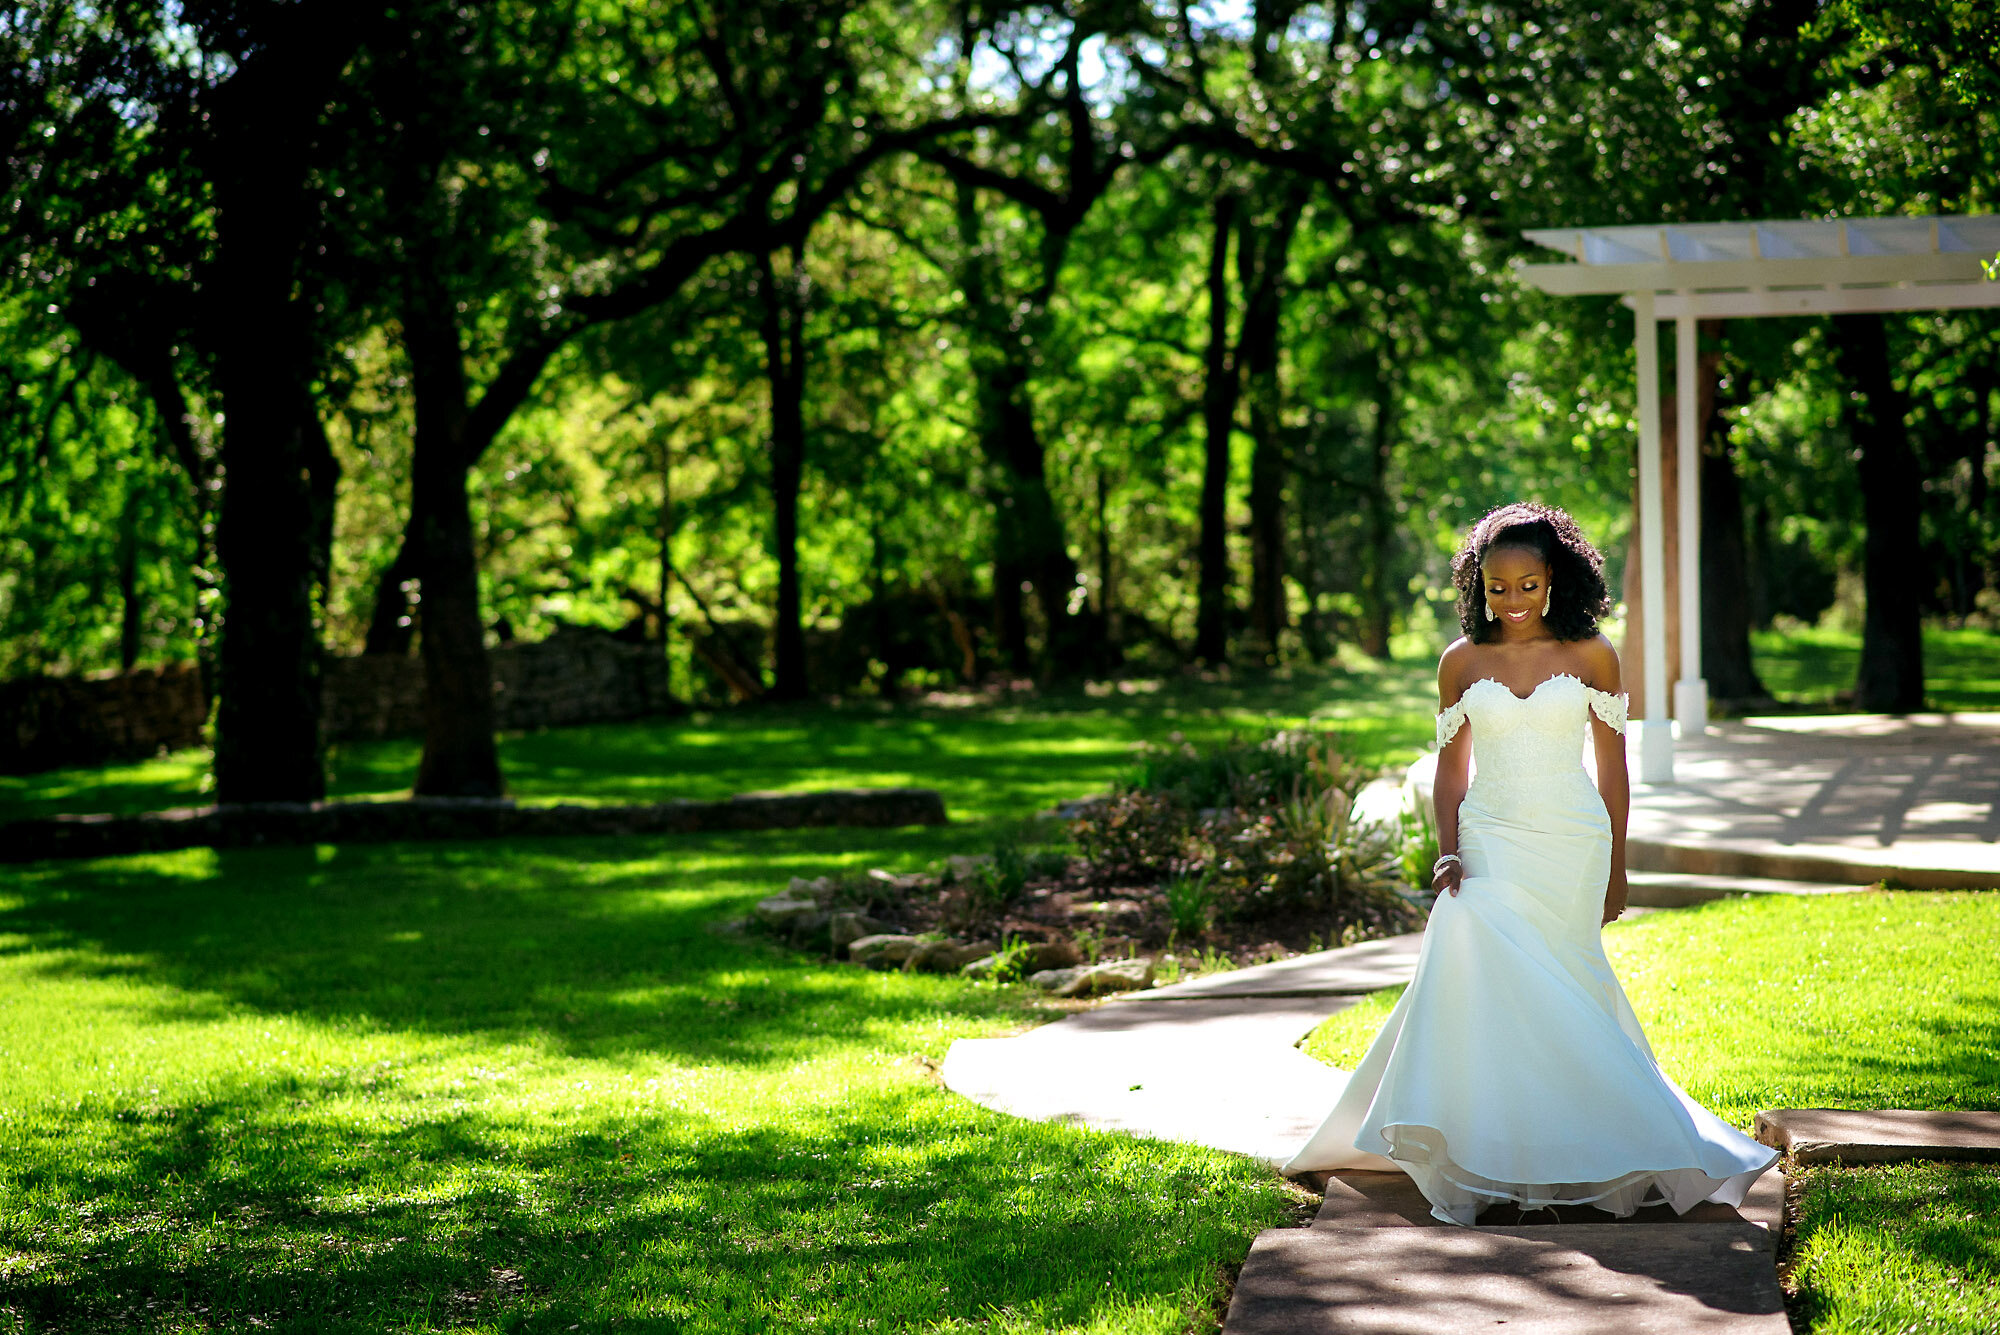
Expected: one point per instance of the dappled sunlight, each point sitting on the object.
(331, 1170)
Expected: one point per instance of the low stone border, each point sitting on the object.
(1884, 1135)
(281, 823)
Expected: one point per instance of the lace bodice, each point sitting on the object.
(1539, 735)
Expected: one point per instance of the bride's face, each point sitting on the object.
(1517, 584)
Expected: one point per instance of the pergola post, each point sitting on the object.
(1691, 691)
(1656, 732)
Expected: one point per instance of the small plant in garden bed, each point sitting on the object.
(1245, 852)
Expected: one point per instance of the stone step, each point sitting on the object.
(1885, 1135)
(1355, 1199)
(1675, 889)
(1564, 1279)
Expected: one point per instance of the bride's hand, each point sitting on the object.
(1448, 878)
(1614, 896)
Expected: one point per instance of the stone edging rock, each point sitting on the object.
(439, 818)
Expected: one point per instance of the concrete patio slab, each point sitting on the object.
(1843, 798)
(1578, 1279)
(1888, 1135)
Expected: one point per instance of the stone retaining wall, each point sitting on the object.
(50, 722)
(434, 818)
(574, 676)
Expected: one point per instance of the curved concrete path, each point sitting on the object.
(1214, 1061)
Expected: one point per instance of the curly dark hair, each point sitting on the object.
(1577, 596)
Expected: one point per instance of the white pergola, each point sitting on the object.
(1694, 271)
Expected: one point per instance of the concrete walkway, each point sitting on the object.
(1213, 1061)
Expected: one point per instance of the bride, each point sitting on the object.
(1513, 1068)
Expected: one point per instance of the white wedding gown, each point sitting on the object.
(1513, 1068)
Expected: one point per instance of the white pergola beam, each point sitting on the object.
(1576, 280)
(1827, 301)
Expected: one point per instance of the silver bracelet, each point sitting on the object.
(1443, 858)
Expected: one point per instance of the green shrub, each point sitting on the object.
(1191, 903)
(1418, 853)
(1134, 835)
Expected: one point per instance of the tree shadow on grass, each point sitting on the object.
(894, 1209)
(592, 948)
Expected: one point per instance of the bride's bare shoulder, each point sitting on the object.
(1597, 662)
(1456, 670)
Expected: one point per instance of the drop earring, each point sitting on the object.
(1489, 613)
(1546, 597)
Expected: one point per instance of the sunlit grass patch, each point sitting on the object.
(531, 1085)
(1899, 1247)
(1810, 666)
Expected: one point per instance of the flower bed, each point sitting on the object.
(1202, 859)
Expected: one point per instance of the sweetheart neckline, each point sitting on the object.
(1532, 693)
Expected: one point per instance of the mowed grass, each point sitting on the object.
(531, 1086)
(990, 761)
(536, 1085)
(1878, 1000)
(1900, 1247)
(1809, 667)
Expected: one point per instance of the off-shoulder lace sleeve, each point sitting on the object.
(1609, 707)
(1448, 724)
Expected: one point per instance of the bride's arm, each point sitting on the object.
(1449, 783)
(1613, 782)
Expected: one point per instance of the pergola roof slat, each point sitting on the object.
(1666, 276)
(1779, 266)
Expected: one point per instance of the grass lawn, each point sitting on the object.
(1809, 667)
(1887, 1000)
(529, 1085)
(991, 762)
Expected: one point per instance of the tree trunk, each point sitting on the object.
(460, 758)
(1107, 589)
(267, 744)
(1261, 257)
(1029, 547)
(265, 118)
(1375, 610)
(1727, 595)
(131, 616)
(1891, 679)
(783, 329)
(1221, 385)
(392, 622)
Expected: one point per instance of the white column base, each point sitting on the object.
(1691, 705)
(1656, 750)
